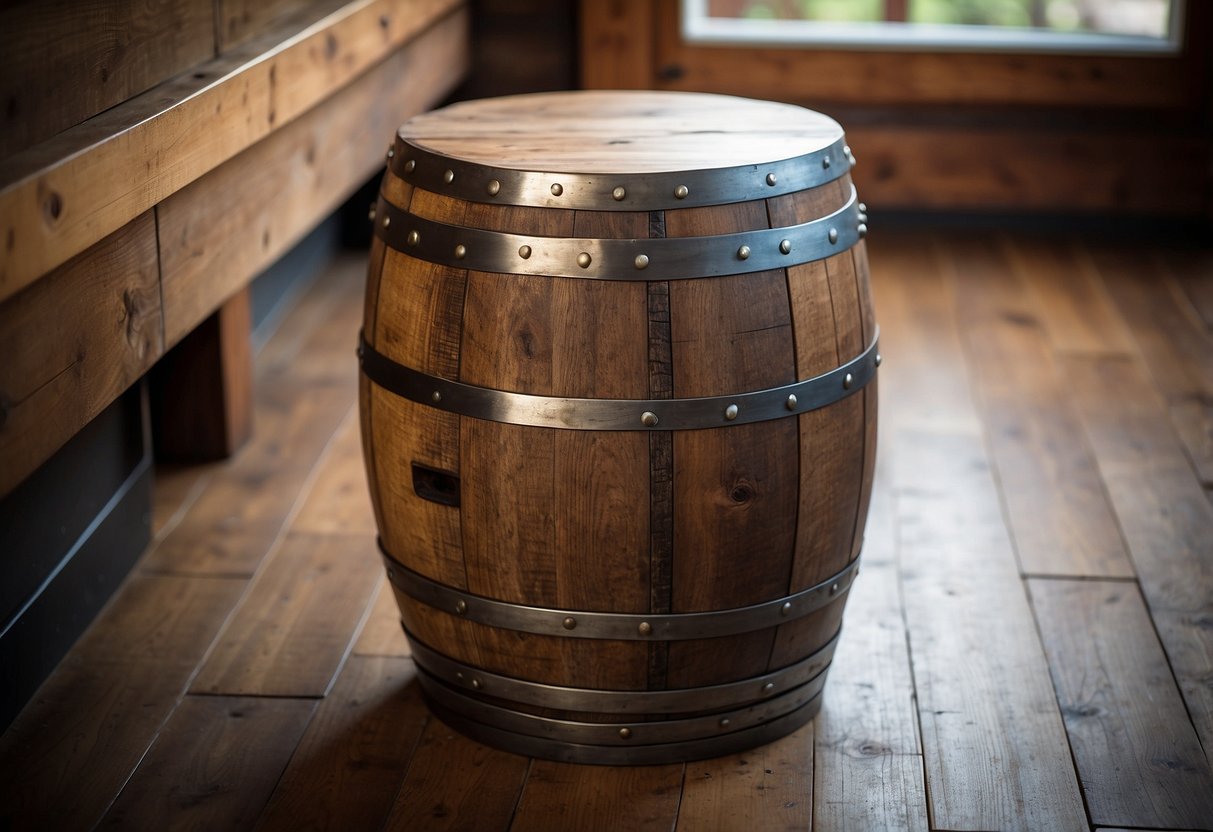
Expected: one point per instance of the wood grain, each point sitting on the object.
(1165, 515)
(73, 343)
(337, 503)
(770, 787)
(213, 765)
(220, 231)
(381, 634)
(65, 194)
(995, 747)
(454, 783)
(69, 752)
(232, 526)
(593, 798)
(298, 620)
(238, 21)
(1193, 271)
(355, 751)
(1138, 757)
(868, 767)
(1058, 511)
(617, 38)
(65, 61)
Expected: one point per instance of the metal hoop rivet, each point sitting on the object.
(625, 733)
(461, 606)
(459, 675)
(619, 193)
(847, 381)
(524, 252)
(730, 412)
(584, 259)
(790, 404)
(557, 189)
(642, 260)
(449, 176)
(771, 179)
(494, 187)
(879, 359)
(768, 688)
(724, 722)
(414, 238)
(786, 609)
(569, 623)
(834, 589)
(461, 251)
(437, 397)
(863, 209)
(387, 221)
(648, 419)
(825, 163)
(681, 192)
(645, 628)
(370, 214)
(863, 230)
(410, 165)
(785, 246)
(743, 253)
(476, 684)
(833, 235)
(391, 151)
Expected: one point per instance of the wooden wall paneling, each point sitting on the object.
(994, 744)
(1138, 757)
(64, 61)
(239, 21)
(64, 194)
(616, 44)
(75, 744)
(598, 798)
(769, 787)
(355, 752)
(455, 783)
(1056, 505)
(202, 390)
(73, 343)
(225, 228)
(868, 769)
(214, 764)
(1173, 340)
(1165, 515)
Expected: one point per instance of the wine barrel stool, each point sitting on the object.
(618, 401)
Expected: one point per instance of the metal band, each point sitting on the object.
(634, 702)
(621, 414)
(570, 752)
(613, 625)
(668, 258)
(617, 733)
(474, 182)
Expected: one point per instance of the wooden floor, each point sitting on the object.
(1029, 646)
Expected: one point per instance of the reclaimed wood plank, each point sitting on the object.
(591, 798)
(455, 783)
(213, 766)
(64, 61)
(354, 754)
(220, 231)
(619, 36)
(994, 744)
(1173, 340)
(71, 749)
(1163, 511)
(298, 620)
(62, 195)
(73, 343)
(381, 633)
(1058, 512)
(767, 788)
(868, 768)
(1193, 272)
(338, 502)
(1139, 759)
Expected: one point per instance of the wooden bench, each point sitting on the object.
(151, 164)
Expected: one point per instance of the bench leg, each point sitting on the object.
(202, 390)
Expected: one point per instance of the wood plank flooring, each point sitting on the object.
(1029, 645)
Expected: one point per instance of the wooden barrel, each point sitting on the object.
(618, 404)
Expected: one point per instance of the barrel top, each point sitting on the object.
(596, 132)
